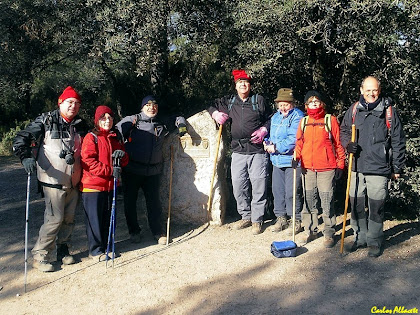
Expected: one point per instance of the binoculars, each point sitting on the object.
(68, 156)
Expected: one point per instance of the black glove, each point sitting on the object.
(338, 173)
(295, 163)
(352, 147)
(29, 164)
(118, 154)
(116, 172)
(182, 129)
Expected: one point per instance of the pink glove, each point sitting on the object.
(219, 117)
(258, 135)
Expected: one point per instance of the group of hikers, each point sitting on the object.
(310, 151)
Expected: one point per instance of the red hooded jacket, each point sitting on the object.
(97, 160)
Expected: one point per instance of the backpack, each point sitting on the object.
(326, 123)
(388, 115)
(253, 101)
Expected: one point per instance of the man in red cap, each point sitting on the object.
(249, 114)
(59, 136)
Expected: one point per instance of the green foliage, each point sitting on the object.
(116, 52)
(7, 138)
(405, 193)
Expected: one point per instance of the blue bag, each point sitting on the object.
(283, 249)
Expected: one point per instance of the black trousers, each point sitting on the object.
(97, 206)
(150, 186)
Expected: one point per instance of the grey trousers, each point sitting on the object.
(368, 231)
(282, 187)
(60, 207)
(321, 183)
(249, 181)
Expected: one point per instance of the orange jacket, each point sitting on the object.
(315, 149)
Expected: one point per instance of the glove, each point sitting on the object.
(352, 147)
(118, 154)
(269, 147)
(338, 173)
(219, 117)
(182, 129)
(295, 163)
(258, 135)
(116, 172)
(29, 164)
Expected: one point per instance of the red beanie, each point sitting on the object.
(240, 74)
(68, 93)
(102, 110)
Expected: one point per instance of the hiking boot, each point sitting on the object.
(241, 224)
(256, 228)
(298, 227)
(43, 265)
(280, 225)
(353, 247)
(135, 238)
(99, 258)
(374, 251)
(161, 239)
(328, 241)
(64, 256)
(305, 238)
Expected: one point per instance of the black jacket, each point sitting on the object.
(143, 137)
(245, 120)
(379, 154)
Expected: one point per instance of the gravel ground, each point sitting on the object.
(206, 270)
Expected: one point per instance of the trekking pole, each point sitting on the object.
(111, 233)
(170, 196)
(28, 186)
(353, 138)
(219, 136)
(294, 199)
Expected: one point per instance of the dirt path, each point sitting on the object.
(207, 270)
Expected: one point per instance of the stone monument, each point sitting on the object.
(193, 159)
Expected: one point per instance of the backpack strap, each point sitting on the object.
(388, 113)
(327, 122)
(133, 125)
(254, 102)
(327, 126)
(303, 123)
(94, 136)
(354, 111)
(232, 100)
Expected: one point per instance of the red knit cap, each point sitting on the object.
(102, 110)
(68, 93)
(240, 74)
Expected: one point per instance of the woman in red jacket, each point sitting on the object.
(100, 147)
(322, 157)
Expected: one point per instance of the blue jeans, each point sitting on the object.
(282, 187)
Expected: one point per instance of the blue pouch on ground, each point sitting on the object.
(283, 249)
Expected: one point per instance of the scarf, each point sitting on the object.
(316, 113)
(369, 106)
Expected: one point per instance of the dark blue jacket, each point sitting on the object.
(379, 154)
